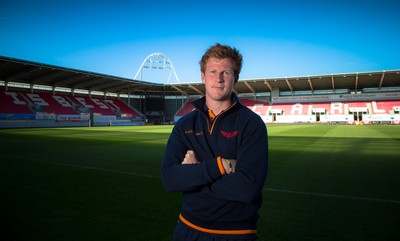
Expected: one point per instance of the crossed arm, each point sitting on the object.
(242, 180)
(228, 164)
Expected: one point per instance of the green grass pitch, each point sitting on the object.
(103, 183)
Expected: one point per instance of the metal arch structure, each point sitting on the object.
(157, 61)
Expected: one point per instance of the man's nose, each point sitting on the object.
(220, 78)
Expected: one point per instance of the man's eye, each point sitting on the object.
(228, 73)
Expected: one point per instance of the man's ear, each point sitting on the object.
(203, 78)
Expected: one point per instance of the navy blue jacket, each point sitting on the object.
(213, 201)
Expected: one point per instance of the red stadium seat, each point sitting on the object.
(186, 108)
(12, 102)
(95, 104)
(122, 106)
(57, 104)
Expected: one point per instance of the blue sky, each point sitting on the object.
(281, 38)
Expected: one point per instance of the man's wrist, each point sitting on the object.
(229, 166)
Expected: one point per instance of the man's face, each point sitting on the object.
(219, 79)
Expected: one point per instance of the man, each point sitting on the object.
(217, 156)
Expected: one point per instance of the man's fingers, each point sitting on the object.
(190, 158)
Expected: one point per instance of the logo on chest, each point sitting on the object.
(197, 133)
(229, 134)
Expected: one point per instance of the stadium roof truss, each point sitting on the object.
(32, 73)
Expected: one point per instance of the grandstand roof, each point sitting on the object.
(33, 73)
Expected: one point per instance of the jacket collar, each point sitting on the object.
(200, 104)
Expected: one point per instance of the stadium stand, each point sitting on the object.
(13, 103)
(385, 107)
(290, 109)
(24, 102)
(321, 108)
(46, 107)
(121, 108)
(94, 105)
(304, 111)
(57, 104)
(186, 108)
(35, 94)
(259, 107)
(19, 102)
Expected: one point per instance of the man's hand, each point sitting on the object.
(190, 158)
(229, 165)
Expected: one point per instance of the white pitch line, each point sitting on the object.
(100, 169)
(265, 189)
(317, 194)
(88, 167)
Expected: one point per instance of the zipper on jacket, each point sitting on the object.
(212, 123)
